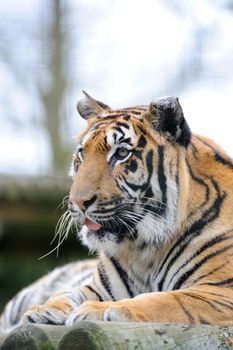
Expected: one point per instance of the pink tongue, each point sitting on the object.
(92, 225)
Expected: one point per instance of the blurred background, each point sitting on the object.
(122, 53)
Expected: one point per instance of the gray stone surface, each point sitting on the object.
(119, 336)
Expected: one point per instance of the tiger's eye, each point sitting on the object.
(122, 153)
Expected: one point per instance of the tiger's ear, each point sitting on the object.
(166, 115)
(88, 107)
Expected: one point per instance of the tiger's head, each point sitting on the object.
(127, 173)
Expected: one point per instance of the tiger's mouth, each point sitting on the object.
(118, 227)
(92, 226)
(114, 217)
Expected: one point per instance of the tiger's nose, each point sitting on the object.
(82, 203)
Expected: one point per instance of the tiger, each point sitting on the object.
(155, 201)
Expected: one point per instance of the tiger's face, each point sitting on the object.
(124, 177)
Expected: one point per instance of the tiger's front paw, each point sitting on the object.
(56, 310)
(95, 311)
(45, 314)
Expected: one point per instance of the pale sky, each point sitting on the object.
(127, 52)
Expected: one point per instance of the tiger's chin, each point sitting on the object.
(99, 241)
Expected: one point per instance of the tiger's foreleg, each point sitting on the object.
(209, 305)
(101, 286)
(60, 305)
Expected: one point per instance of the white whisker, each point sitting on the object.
(63, 203)
(60, 225)
(51, 251)
(62, 230)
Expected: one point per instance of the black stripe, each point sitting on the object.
(194, 150)
(195, 230)
(137, 153)
(201, 182)
(161, 177)
(149, 193)
(21, 306)
(149, 164)
(114, 116)
(141, 129)
(160, 206)
(132, 166)
(17, 313)
(14, 312)
(208, 244)
(221, 296)
(114, 137)
(227, 304)
(188, 273)
(123, 140)
(124, 125)
(117, 128)
(89, 202)
(30, 319)
(187, 313)
(13, 303)
(177, 177)
(123, 275)
(202, 320)
(97, 126)
(104, 279)
(136, 112)
(218, 157)
(95, 292)
(142, 142)
(106, 211)
(221, 283)
(123, 188)
(204, 300)
(208, 274)
(115, 200)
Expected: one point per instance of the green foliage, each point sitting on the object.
(28, 217)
